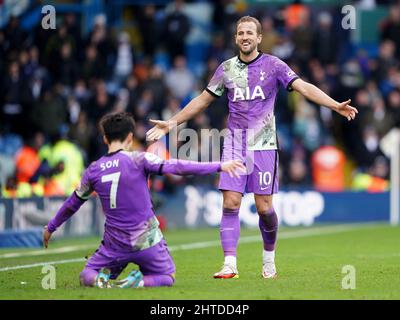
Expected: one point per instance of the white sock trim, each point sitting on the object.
(230, 260)
(268, 255)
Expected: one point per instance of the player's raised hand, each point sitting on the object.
(160, 129)
(232, 167)
(46, 237)
(346, 110)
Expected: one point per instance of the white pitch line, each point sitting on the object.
(282, 235)
(46, 252)
(41, 264)
(215, 243)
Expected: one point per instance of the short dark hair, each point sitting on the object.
(117, 126)
(250, 19)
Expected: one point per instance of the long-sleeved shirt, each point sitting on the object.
(121, 181)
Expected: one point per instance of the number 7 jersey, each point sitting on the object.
(120, 180)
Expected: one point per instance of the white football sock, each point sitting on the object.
(268, 256)
(230, 260)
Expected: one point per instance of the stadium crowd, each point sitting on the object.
(57, 84)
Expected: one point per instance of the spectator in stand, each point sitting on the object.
(328, 169)
(14, 35)
(393, 103)
(133, 88)
(177, 27)
(378, 117)
(284, 47)
(144, 105)
(294, 15)
(125, 62)
(306, 125)
(52, 51)
(218, 50)
(390, 28)
(156, 84)
(3, 51)
(73, 29)
(82, 134)
(302, 38)
(49, 113)
(374, 179)
(298, 174)
(10, 188)
(12, 89)
(101, 39)
(368, 148)
(93, 67)
(65, 161)
(101, 103)
(27, 159)
(386, 59)
(67, 70)
(270, 37)
(81, 92)
(180, 80)
(148, 25)
(350, 78)
(32, 65)
(325, 42)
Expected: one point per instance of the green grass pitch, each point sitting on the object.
(309, 263)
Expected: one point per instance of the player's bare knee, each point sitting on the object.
(231, 204)
(232, 200)
(264, 210)
(264, 205)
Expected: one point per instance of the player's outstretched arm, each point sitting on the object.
(184, 167)
(194, 107)
(316, 95)
(70, 206)
(154, 164)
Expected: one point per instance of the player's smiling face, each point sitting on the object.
(247, 38)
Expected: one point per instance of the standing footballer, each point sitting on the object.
(251, 81)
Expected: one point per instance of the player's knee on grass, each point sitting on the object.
(166, 280)
(88, 277)
(172, 276)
